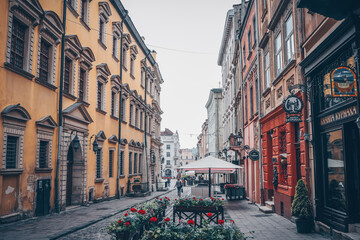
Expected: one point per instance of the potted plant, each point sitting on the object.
(301, 209)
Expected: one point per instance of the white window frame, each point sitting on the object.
(278, 54)
(289, 39)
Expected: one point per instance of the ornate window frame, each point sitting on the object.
(102, 74)
(117, 30)
(125, 48)
(87, 57)
(85, 19)
(73, 50)
(115, 88)
(50, 30)
(104, 14)
(45, 132)
(14, 123)
(28, 13)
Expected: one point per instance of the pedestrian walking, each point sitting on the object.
(179, 187)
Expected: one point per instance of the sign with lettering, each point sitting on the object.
(293, 105)
(343, 82)
(346, 113)
(254, 155)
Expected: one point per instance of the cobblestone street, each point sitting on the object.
(271, 226)
(91, 222)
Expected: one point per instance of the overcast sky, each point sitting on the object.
(186, 34)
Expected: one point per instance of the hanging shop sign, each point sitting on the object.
(254, 155)
(293, 105)
(343, 82)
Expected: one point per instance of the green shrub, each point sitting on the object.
(301, 206)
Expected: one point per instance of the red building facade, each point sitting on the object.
(285, 158)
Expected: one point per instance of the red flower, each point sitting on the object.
(167, 220)
(191, 222)
(157, 198)
(185, 198)
(232, 221)
(180, 200)
(222, 199)
(120, 221)
(209, 214)
(126, 214)
(160, 199)
(201, 199)
(127, 224)
(211, 197)
(221, 222)
(214, 200)
(142, 212)
(153, 219)
(180, 220)
(133, 210)
(163, 204)
(175, 199)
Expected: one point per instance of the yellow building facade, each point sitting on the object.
(97, 93)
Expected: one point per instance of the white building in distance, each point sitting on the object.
(170, 153)
(214, 112)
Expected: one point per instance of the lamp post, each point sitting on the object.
(225, 152)
(95, 144)
(75, 142)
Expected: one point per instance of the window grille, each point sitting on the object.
(111, 160)
(99, 95)
(11, 152)
(44, 60)
(67, 75)
(98, 163)
(17, 43)
(82, 84)
(43, 154)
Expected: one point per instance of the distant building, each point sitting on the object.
(214, 111)
(170, 153)
(187, 156)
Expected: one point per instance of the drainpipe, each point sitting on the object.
(145, 142)
(120, 107)
(262, 200)
(57, 176)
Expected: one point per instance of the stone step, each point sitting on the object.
(351, 236)
(354, 228)
(265, 209)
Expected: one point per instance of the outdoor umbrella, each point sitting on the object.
(210, 164)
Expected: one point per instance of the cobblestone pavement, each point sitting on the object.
(248, 218)
(98, 230)
(54, 226)
(91, 222)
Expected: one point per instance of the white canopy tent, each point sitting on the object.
(210, 165)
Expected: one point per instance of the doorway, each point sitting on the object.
(352, 143)
(74, 177)
(43, 197)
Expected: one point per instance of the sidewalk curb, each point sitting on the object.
(77, 228)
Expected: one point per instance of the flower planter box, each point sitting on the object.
(198, 213)
(235, 193)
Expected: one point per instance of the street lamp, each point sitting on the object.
(95, 144)
(225, 152)
(76, 142)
